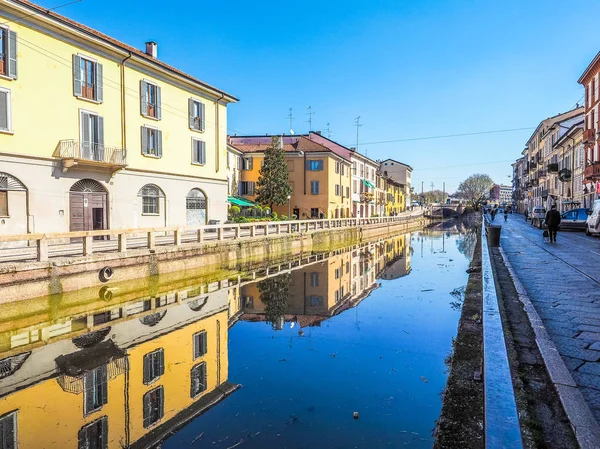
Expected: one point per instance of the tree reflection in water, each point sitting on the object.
(274, 292)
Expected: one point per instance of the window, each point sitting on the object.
(87, 79)
(154, 402)
(314, 187)
(150, 103)
(197, 115)
(150, 194)
(355, 186)
(94, 435)
(92, 137)
(347, 267)
(314, 279)
(8, 53)
(247, 163)
(200, 344)
(337, 273)
(314, 165)
(246, 188)
(337, 167)
(154, 366)
(337, 190)
(3, 203)
(96, 389)
(354, 168)
(347, 192)
(315, 301)
(8, 431)
(198, 152)
(314, 212)
(337, 296)
(151, 141)
(198, 380)
(5, 110)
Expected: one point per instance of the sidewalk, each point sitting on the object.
(563, 282)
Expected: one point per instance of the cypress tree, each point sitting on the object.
(273, 186)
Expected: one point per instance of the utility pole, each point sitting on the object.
(310, 113)
(422, 194)
(444, 193)
(358, 125)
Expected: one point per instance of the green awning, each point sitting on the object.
(240, 201)
(367, 183)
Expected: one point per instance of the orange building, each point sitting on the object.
(319, 178)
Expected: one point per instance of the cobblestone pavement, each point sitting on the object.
(563, 282)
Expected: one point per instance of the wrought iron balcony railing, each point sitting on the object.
(90, 151)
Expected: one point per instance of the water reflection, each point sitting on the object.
(98, 373)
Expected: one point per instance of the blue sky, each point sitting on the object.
(409, 68)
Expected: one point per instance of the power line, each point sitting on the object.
(464, 165)
(47, 10)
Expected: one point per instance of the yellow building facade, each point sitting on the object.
(320, 179)
(100, 135)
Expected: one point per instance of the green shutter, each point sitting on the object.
(143, 98)
(99, 84)
(158, 104)
(12, 54)
(76, 76)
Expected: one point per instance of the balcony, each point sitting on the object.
(564, 175)
(589, 136)
(544, 193)
(592, 172)
(542, 174)
(87, 155)
(366, 197)
(552, 168)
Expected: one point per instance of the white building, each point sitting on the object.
(399, 172)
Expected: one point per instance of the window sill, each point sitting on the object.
(198, 163)
(150, 215)
(6, 77)
(199, 131)
(149, 117)
(152, 381)
(4, 216)
(152, 156)
(5, 131)
(89, 100)
(202, 393)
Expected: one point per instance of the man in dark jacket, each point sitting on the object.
(552, 221)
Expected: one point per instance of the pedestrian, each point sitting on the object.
(505, 214)
(552, 221)
(526, 214)
(493, 213)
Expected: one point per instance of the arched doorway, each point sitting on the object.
(88, 206)
(195, 208)
(13, 205)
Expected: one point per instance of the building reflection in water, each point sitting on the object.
(108, 375)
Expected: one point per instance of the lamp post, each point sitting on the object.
(289, 208)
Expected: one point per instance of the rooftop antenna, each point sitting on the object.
(328, 129)
(291, 118)
(310, 113)
(358, 125)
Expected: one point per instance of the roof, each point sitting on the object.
(397, 162)
(572, 130)
(589, 68)
(40, 11)
(291, 144)
(557, 119)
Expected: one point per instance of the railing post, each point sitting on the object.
(87, 245)
(42, 249)
(177, 236)
(278, 228)
(220, 233)
(151, 240)
(200, 235)
(252, 230)
(237, 232)
(267, 228)
(122, 243)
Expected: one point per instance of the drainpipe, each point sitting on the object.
(123, 115)
(218, 138)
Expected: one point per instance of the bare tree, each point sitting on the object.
(475, 189)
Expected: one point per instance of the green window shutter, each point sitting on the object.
(202, 117)
(158, 104)
(191, 113)
(159, 143)
(12, 54)
(76, 76)
(99, 84)
(202, 152)
(4, 111)
(143, 97)
(144, 140)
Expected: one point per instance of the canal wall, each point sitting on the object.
(137, 266)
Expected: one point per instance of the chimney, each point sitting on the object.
(318, 132)
(352, 149)
(152, 49)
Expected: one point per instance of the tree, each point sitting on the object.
(475, 189)
(274, 292)
(234, 184)
(273, 186)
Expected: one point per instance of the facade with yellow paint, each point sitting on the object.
(95, 134)
(125, 383)
(319, 178)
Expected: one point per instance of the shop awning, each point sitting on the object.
(240, 202)
(367, 183)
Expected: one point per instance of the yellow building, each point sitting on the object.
(319, 178)
(395, 200)
(137, 373)
(95, 134)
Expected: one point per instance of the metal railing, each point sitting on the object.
(17, 247)
(90, 151)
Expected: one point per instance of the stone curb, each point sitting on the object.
(585, 426)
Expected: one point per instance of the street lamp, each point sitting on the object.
(289, 208)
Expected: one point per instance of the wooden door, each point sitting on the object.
(88, 211)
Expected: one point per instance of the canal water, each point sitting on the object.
(345, 349)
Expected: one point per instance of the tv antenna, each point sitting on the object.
(328, 130)
(310, 113)
(358, 125)
(291, 118)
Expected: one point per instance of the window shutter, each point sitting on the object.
(159, 143)
(147, 374)
(100, 142)
(158, 104)
(144, 140)
(99, 85)
(161, 362)
(202, 117)
(195, 152)
(143, 98)
(161, 402)
(4, 111)
(76, 76)
(250, 163)
(191, 113)
(103, 387)
(204, 343)
(104, 432)
(12, 54)
(251, 188)
(203, 152)
(89, 391)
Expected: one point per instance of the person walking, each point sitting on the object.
(493, 213)
(526, 214)
(505, 214)
(552, 221)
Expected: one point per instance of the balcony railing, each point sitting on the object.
(541, 174)
(589, 135)
(366, 197)
(592, 172)
(553, 168)
(92, 152)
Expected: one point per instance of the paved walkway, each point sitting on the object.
(563, 282)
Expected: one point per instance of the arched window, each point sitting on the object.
(8, 183)
(150, 194)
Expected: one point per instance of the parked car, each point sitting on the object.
(574, 220)
(537, 215)
(593, 220)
